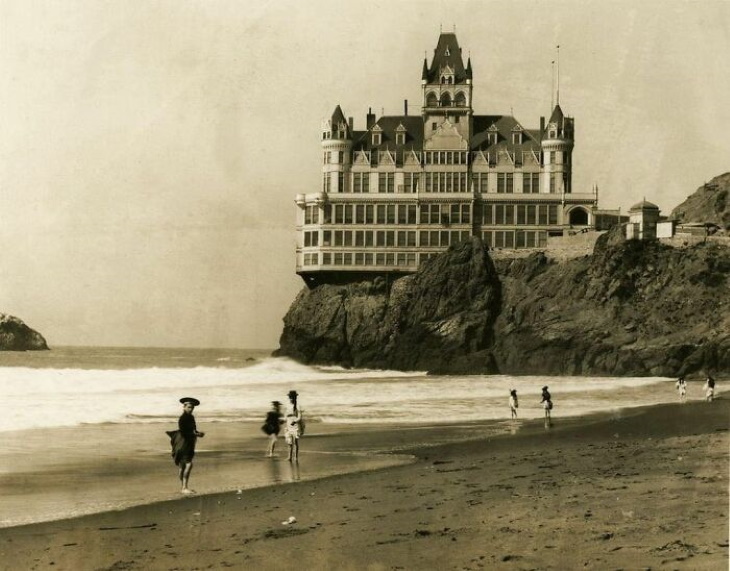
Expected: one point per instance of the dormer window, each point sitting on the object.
(377, 135)
(400, 138)
(491, 138)
(517, 138)
(447, 52)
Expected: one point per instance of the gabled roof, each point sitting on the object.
(389, 125)
(505, 125)
(447, 53)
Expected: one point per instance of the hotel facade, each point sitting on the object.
(409, 186)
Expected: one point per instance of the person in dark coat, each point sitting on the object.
(547, 403)
(272, 426)
(183, 442)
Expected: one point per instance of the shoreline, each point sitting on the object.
(631, 489)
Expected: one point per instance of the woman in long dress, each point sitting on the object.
(293, 426)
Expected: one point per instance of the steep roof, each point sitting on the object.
(504, 125)
(557, 115)
(447, 53)
(413, 125)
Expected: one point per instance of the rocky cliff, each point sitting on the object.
(17, 336)
(631, 309)
(710, 203)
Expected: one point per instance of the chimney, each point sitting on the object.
(542, 126)
(369, 119)
(351, 124)
(405, 107)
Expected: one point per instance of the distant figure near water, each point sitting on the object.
(513, 404)
(709, 388)
(547, 403)
(183, 442)
(293, 425)
(272, 426)
(682, 388)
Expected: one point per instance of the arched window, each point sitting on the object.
(460, 99)
(431, 100)
(446, 100)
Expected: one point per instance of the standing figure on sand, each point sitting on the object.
(293, 426)
(272, 426)
(547, 403)
(513, 404)
(709, 388)
(183, 442)
(682, 388)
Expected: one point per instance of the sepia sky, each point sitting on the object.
(150, 151)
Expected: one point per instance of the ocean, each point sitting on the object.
(72, 386)
(83, 428)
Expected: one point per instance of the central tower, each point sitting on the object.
(447, 89)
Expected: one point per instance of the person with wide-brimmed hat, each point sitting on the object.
(183, 442)
(272, 426)
(293, 423)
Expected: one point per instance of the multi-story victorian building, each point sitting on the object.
(408, 186)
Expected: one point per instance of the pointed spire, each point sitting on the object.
(468, 68)
(424, 73)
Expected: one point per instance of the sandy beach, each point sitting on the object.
(640, 489)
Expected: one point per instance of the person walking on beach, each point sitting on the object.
(272, 426)
(547, 403)
(293, 426)
(183, 442)
(513, 404)
(709, 388)
(682, 388)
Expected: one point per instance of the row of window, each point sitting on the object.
(353, 213)
(515, 239)
(508, 239)
(389, 157)
(390, 259)
(519, 214)
(386, 238)
(492, 214)
(438, 182)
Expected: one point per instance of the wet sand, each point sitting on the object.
(637, 490)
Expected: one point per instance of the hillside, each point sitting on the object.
(710, 203)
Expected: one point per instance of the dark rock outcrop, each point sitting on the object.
(440, 318)
(17, 336)
(631, 309)
(709, 204)
(634, 308)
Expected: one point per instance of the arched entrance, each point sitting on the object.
(578, 217)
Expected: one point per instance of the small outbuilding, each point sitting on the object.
(643, 220)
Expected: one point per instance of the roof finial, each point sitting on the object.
(552, 86)
(557, 101)
(441, 28)
(454, 27)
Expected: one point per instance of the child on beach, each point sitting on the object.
(292, 426)
(547, 403)
(513, 404)
(709, 388)
(183, 442)
(682, 388)
(272, 426)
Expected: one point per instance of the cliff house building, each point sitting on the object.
(408, 186)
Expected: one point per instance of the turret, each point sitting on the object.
(337, 151)
(557, 149)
